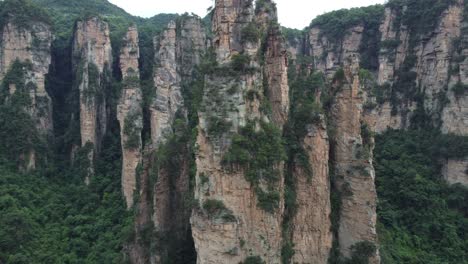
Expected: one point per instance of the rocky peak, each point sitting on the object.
(266, 14)
(92, 55)
(167, 81)
(91, 43)
(229, 17)
(92, 66)
(129, 113)
(130, 53)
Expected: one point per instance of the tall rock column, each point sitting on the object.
(353, 167)
(92, 62)
(311, 226)
(225, 27)
(239, 213)
(276, 73)
(129, 113)
(30, 46)
(167, 81)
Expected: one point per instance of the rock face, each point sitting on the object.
(456, 171)
(164, 183)
(167, 80)
(129, 114)
(239, 228)
(276, 73)
(434, 55)
(92, 61)
(30, 45)
(311, 225)
(226, 27)
(329, 55)
(351, 156)
(353, 165)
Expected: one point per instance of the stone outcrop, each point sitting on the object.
(330, 55)
(311, 225)
(455, 113)
(456, 171)
(129, 114)
(30, 45)
(92, 63)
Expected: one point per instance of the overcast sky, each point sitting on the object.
(292, 13)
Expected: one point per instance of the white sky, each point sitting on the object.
(292, 13)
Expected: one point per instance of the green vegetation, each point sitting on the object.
(240, 62)
(460, 89)
(18, 135)
(258, 150)
(23, 13)
(361, 252)
(305, 111)
(264, 6)
(132, 130)
(253, 260)
(217, 126)
(293, 36)
(421, 218)
(175, 158)
(50, 216)
(250, 33)
(93, 88)
(420, 16)
(335, 24)
(217, 210)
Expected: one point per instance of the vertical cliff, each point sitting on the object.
(163, 208)
(239, 184)
(311, 224)
(167, 81)
(92, 61)
(25, 56)
(129, 114)
(178, 52)
(352, 160)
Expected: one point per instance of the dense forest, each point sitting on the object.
(51, 216)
